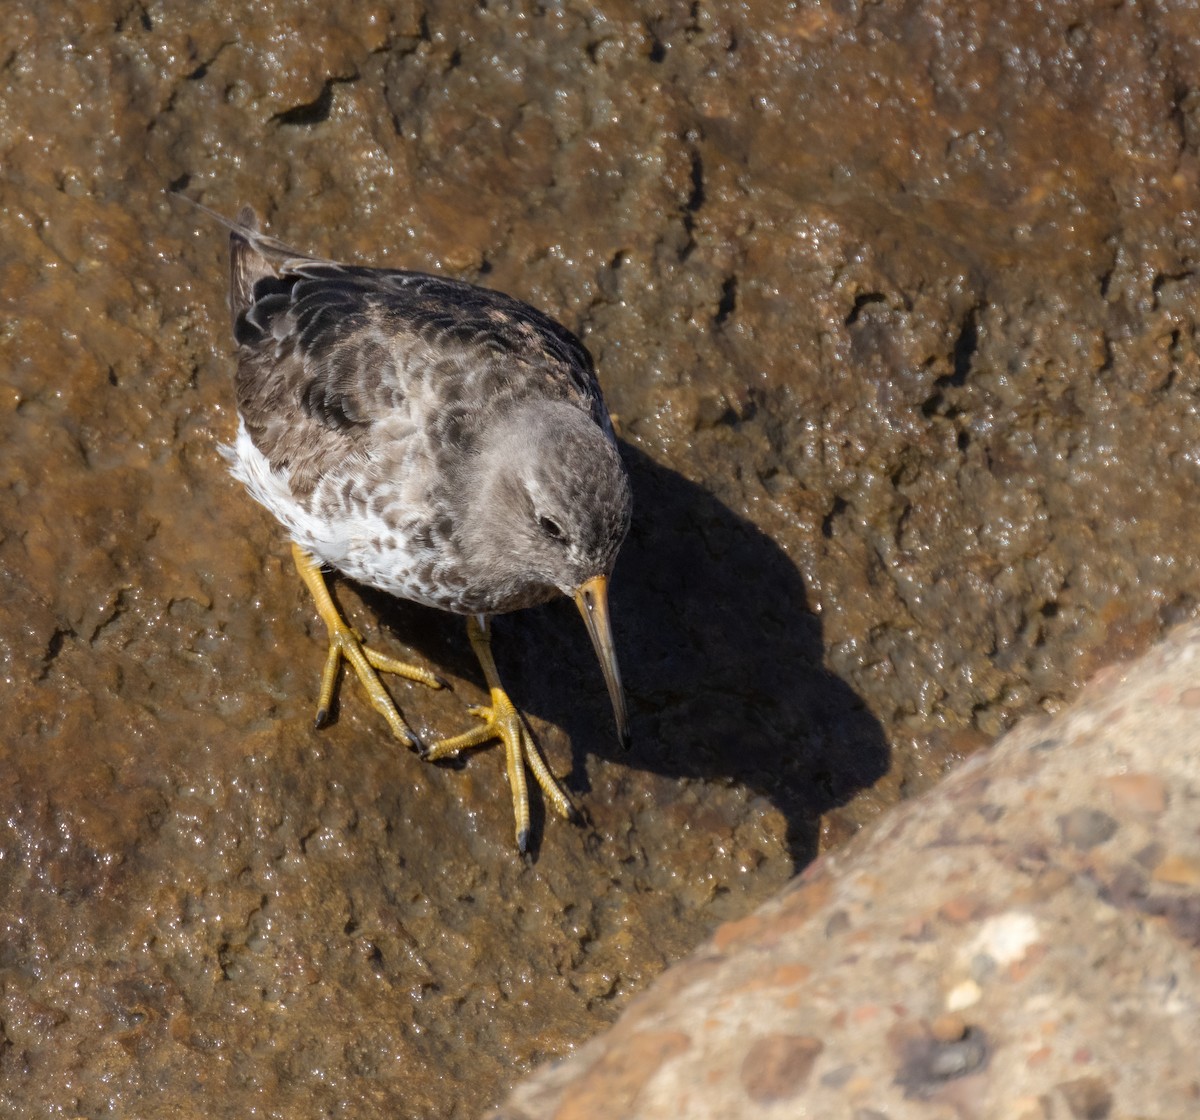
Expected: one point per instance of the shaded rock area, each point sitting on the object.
(1023, 943)
(896, 307)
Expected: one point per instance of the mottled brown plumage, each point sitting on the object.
(443, 442)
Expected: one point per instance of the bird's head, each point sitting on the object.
(548, 508)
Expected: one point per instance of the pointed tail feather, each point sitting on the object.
(246, 264)
(252, 254)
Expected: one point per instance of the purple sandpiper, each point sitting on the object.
(440, 441)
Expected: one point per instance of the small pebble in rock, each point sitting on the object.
(928, 1063)
(948, 1027)
(963, 995)
(1085, 828)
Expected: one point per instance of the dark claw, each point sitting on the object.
(625, 739)
(523, 841)
(322, 718)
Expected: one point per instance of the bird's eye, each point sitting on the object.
(551, 528)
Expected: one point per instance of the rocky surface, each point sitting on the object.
(1023, 943)
(896, 306)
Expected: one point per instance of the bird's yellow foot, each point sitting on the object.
(367, 663)
(502, 721)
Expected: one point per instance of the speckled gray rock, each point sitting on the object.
(1022, 943)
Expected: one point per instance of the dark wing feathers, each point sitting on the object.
(325, 314)
(327, 349)
(446, 311)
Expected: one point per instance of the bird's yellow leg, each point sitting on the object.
(502, 721)
(368, 664)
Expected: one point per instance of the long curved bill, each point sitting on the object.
(592, 601)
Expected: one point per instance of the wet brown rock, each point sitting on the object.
(897, 306)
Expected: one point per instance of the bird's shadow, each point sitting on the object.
(722, 661)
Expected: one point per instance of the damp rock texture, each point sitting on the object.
(896, 307)
(1023, 943)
